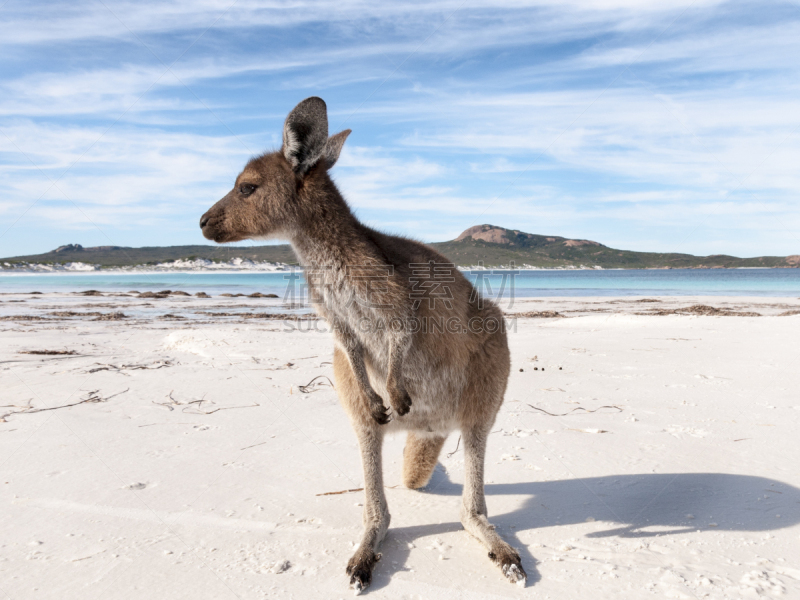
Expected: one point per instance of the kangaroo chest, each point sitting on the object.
(348, 309)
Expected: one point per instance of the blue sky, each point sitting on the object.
(653, 126)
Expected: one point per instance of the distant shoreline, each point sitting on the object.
(492, 283)
(482, 246)
(89, 269)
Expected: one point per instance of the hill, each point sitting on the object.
(498, 246)
(483, 244)
(119, 256)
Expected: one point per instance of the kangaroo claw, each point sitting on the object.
(381, 414)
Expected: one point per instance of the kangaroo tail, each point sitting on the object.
(419, 459)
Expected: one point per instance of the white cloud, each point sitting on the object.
(120, 178)
(527, 108)
(75, 22)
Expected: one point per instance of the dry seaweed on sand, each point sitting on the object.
(314, 384)
(92, 397)
(273, 316)
(577, 408)
(701, 310)
(99, 316)
(50, 352)
(132, 367)
(458, 443)
(115, 316)
(537, 314)
(193, 406)
(23, 318)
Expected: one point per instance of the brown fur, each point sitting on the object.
(419, 459)
(451, 375)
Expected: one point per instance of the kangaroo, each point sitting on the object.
(410, 352)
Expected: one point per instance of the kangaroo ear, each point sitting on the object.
(305, 134)
(334, 147)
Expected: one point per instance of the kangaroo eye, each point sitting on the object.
(246, 189)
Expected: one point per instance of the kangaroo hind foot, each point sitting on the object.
(359, 567)
(510, 564)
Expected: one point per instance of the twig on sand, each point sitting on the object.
(253, 446)
(390, 487)
(209, 412)
(311, 386)
(92, 398)
(340, 492)
(50, 352)
(575, 409)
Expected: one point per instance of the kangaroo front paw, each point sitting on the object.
(380, 414)
(359, 567)
(401, 403)
(378, 411)
(511, 566)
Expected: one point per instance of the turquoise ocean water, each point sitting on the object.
(522, 284)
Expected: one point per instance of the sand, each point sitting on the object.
(636, 455)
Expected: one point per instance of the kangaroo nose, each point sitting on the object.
(203, 221)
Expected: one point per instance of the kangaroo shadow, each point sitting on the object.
(641, 505)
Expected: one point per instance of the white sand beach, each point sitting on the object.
(642, 451)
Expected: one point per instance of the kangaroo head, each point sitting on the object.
(268, 198)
